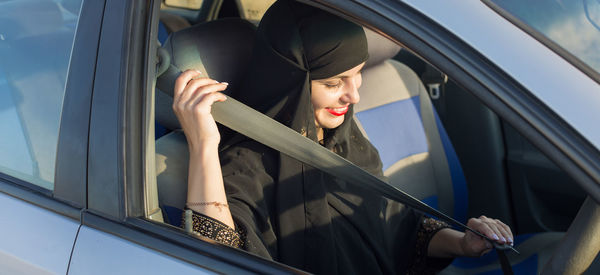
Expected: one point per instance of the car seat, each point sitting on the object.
(398, 118)
(396, 114)
(221, 49)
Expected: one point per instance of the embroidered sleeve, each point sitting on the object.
(422, 263)
(215, 230)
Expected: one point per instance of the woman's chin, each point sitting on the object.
(332, 124)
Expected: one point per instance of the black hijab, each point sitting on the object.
(306, 218)
(297, 43)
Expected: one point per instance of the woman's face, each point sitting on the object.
(332, 96)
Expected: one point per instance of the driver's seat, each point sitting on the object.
(221, 49)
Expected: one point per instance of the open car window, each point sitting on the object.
(253, 11)
(186, 4)
(458, 150)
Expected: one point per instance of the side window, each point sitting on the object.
(253, 10)
(36, 41)
(186, 4)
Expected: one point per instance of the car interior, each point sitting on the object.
(438, 142)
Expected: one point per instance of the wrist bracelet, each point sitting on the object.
(213, 203)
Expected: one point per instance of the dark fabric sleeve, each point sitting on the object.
(247, 174)
(422, 263)
(215, 230)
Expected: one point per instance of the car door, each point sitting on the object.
(100, 247)
(47, 51)
(121, 230)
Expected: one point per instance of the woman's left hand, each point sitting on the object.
(475, 246)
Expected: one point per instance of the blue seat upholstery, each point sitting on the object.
(163, 34)
(395, 113)
(408, 138)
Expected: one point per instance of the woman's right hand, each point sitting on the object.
(192, 101)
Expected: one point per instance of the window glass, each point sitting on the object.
(573, 25)
(186, 4)
(36, 41)
(253, 10)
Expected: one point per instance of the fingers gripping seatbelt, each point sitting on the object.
(269, 132)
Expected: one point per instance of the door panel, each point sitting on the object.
(34, 240)
(97, 252)
(544, 197)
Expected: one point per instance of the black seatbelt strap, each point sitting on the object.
(271, 133)
(504, 263)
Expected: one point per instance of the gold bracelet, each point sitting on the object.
(214, 203)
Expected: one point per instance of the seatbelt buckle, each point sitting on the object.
(434, 90)
(434, 80)
(505, 247)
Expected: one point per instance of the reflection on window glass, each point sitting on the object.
(572, 24)
(36, 40)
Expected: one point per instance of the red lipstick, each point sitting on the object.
(338, 111)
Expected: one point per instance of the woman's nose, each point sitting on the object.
(351, 94)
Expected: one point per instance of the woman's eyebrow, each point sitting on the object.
(340, 76)
(333, 78)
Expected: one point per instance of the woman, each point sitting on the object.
(305, 73)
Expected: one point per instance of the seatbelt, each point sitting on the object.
(271, 133)
(435, 81)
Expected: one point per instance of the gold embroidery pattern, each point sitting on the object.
(215, 230)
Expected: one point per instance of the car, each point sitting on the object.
(511, 91)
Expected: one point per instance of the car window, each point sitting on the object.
(253, 10)
(36, 41)
(186, 4)
(573, 25)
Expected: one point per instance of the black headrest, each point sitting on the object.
(220, 49)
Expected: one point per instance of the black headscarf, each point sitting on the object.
(292, 212)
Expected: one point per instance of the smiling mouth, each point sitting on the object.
(338, 111)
